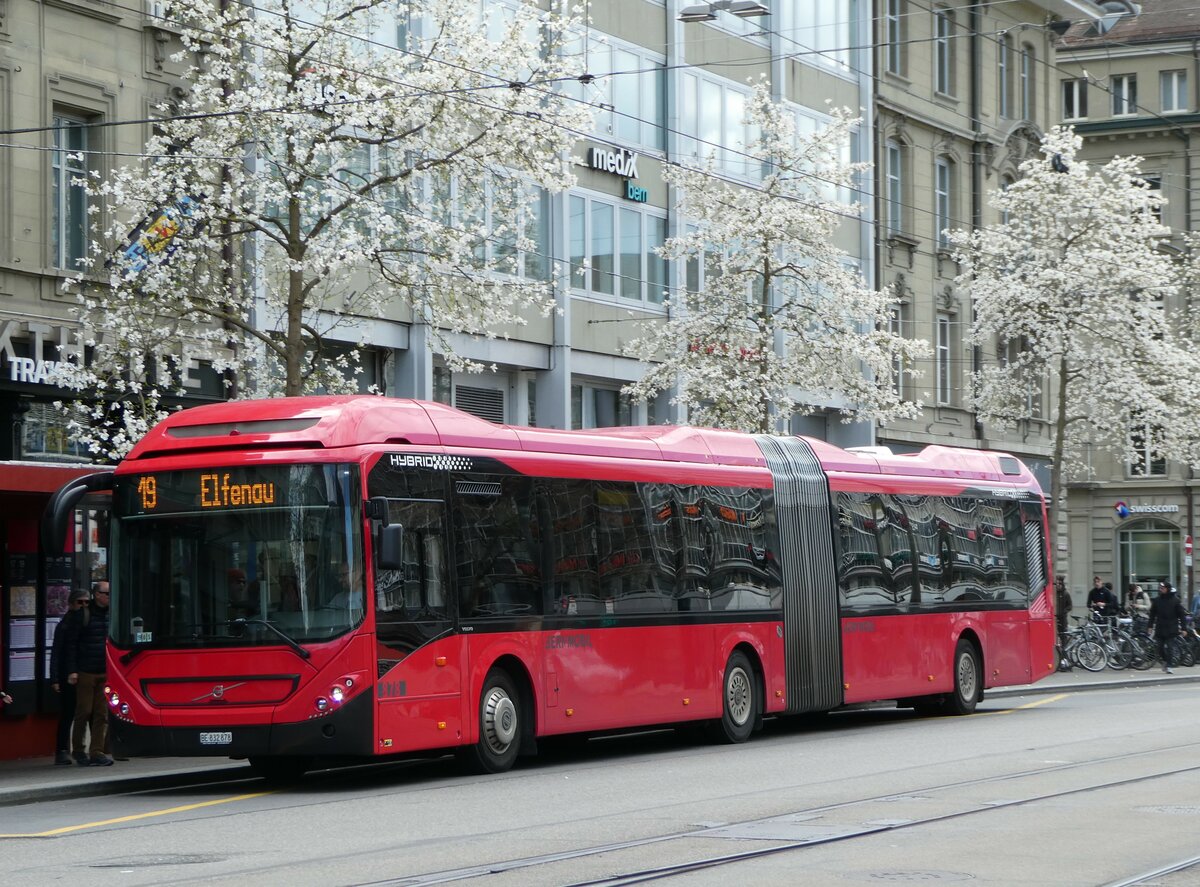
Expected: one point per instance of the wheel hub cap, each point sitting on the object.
(499, 720)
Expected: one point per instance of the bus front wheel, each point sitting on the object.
(499, 725)
(741, 707)
(967, 678)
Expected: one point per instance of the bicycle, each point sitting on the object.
(1082, 646)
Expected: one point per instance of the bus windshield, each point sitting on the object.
(238, 556)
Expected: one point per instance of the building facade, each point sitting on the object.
(964, 93)
(1128, 86)
(79, 80)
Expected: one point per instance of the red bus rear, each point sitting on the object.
(355, 576)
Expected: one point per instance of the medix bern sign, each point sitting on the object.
(622, 162)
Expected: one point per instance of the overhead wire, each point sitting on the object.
(850, 216)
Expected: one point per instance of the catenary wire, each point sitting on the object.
(849, 216)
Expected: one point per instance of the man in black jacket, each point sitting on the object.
(58, 680)
(1165, 614)
(1101, 601)
(84, 661)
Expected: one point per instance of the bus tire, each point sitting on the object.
(741, 707)
(967, 677)
(499, 725)
(280, 769)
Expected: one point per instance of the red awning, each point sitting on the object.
(36, 477)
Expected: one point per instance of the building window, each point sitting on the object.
(617, 247)
(713, 121)
(1074, 99)
(942, 358)
(943, 216)
(1005, 74)
(628, 92)
(943, 51)
(894, 186)
(598, 407)
(1174, 91)
(1011, 356)
(897, 37)
(1027, 83)
(896, 327)
(832, 27)
(1124, 95)
(1005, 183)
(1155, 185)
(69, 201)
(522, 217)
(1144, 444)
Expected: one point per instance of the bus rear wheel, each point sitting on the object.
(741, 706)
(967, 676)
(499, 725)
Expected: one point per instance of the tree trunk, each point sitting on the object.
(294, 335)
(1058, 500)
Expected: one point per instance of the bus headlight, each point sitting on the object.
(337, 695)
(321, 703)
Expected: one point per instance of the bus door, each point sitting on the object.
(420, 657)
(1019, 648)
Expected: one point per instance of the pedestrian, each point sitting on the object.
(1062, 604)
(84, 663)
(1139, 606)
(1101, 601)
(1166, 613)
(80, 598)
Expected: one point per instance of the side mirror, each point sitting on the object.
(390, 555)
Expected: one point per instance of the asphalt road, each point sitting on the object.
(1065, 788)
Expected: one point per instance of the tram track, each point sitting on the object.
(817, 835)
(694, 846)
(1155, 876)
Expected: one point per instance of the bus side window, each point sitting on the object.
(499, 570)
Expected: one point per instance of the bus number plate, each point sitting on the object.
(224, 738)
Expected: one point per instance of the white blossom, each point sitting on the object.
(739, 359)
(1076, 276)
(320, 177)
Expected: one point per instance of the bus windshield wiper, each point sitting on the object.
(299, 650)
(129, 654)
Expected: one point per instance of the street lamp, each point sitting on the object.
(707, 12)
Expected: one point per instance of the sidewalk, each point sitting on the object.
(36, 779)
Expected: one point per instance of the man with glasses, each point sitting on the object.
(84, 662)
(80, 598)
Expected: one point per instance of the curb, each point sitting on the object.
(1081, 686)
(69, 790)
(236, 773)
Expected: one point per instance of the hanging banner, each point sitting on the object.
(157, 235)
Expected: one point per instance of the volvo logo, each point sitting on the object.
(218, 691)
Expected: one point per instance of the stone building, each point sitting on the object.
(964, 93)
(78, 82)
(1128, 85)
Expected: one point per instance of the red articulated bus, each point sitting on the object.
(328, 577)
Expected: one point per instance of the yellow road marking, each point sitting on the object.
(184, 809)
(1033, 704)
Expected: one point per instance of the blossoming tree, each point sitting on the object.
(1075, 276)
(320, 172)
(783, 321)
